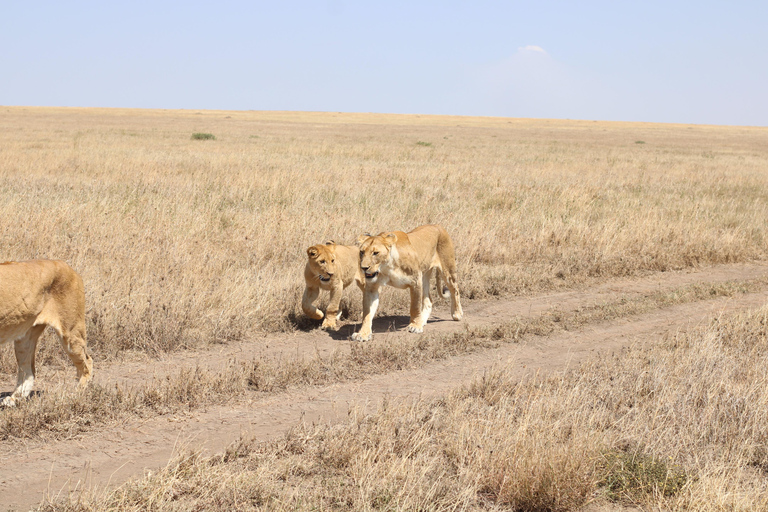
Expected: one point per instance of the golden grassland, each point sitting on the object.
(676, 426)
(59, 412)
(185, 242)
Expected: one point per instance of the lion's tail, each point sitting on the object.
(442, 287)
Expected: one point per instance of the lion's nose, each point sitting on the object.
(364, 268)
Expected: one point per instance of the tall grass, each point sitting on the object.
(678, 425)
(182, 243)
(57, 411)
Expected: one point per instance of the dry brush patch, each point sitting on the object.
(679, 425)
(58, 411)
(184, 242)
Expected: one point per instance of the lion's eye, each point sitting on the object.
(375, 253)
(322, 262)
(362, 253)
(333, 261)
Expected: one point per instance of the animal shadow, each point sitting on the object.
(382, 324)
(302, 322)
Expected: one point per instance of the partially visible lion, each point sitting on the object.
(36, 294)
(330, 267)
(407, 260)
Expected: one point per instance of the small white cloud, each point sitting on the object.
(531, 48)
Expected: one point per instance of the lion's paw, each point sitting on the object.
(359, 337)
(329, 324)
(416, 329)
(8, 401)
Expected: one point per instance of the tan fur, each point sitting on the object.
(338, 267)
(36, 294)
(407, 260)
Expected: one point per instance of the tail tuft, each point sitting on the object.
(442, 288)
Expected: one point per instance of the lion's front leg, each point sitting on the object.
(332, 313)
(426, 299)
(417, 306)
(311, 294)
(24, 349)
(370, 305)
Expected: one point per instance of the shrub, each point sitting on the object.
(633, 475)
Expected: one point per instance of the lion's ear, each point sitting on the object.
(312, 252)
(391, 238)
(363, 238)
(330, 242)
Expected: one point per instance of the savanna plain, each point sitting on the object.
(191, 244)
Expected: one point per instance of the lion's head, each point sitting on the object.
(375, 251)
(322, 260)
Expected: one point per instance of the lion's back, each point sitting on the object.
(347, 259)
(30, 288)
(432, 244)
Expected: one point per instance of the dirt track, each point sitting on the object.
(109, 455)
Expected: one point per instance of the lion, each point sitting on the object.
(330, 267)
(407, 260)
(34, 295)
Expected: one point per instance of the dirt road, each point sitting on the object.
(108, 455)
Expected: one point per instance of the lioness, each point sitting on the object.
(36, 294)
(407, 261)
(330, 267)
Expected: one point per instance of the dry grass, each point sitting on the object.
(59, 412)
(183, 242)
(677, 426)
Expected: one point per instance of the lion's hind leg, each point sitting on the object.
(74, 342)
(447, 256)
(453, 288)
(419, 303)
(441, 285)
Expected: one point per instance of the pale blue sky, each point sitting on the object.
(662, 61)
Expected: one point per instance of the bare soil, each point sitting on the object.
(108, 455)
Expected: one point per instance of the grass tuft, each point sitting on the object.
(634, 476)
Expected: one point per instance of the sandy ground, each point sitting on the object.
(108, 455)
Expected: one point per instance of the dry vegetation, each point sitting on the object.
(183, 242)
(58, 412)
(677, 426)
